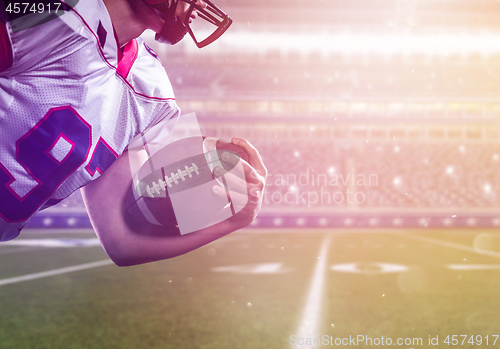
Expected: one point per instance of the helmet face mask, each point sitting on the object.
(176, 28)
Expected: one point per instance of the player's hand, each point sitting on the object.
(246, 190)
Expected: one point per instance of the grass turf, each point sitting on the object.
(183, 303)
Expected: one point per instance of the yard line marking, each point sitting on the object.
(267, 268)
(4, 251)
(369, 268)
(87, 242)
(474, 266)
(455, 245)
(54, 272)
(262, 268)
(308, 327)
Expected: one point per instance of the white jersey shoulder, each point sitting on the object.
(69, 106)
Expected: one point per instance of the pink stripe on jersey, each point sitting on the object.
(110, 65)
(5, 48)
(127, 59)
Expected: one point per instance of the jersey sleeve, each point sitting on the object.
(30, 40)
(5, 48)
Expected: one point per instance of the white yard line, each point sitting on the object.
(54, 272)
(309, 324)
(473, 266)
(454, 245)
(46, 242)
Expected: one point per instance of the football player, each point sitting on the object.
(77, 84)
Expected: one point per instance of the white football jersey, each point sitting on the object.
(70, 103)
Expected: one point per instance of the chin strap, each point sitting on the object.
(174, 29)
(172, 32)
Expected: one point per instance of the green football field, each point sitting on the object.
(257, 289)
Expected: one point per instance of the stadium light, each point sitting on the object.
(484, 43)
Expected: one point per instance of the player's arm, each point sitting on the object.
(130, 244)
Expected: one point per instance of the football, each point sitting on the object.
(174, 187)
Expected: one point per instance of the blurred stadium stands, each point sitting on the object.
(388, 111)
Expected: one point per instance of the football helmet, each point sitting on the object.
(175, 27)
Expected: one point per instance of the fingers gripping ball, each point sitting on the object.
(174, 187)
